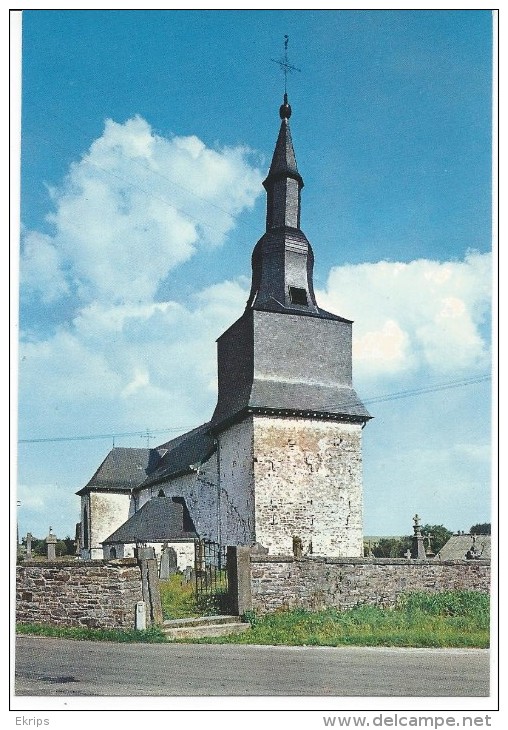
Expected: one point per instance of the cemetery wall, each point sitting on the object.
(93, 594)
(312, 583)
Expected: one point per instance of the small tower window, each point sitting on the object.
(298, 296)
(85, 528)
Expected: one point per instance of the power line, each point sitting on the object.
(147, 432)
(375, 399)
(428, 389)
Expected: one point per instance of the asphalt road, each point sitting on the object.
(58, 667)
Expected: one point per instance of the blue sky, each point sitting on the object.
(145, 137)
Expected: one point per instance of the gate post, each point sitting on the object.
(239, 577)
(150, 585)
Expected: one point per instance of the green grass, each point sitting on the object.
(178, 599)
(452, 619)
(151, 636)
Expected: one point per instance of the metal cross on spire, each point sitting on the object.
(285, 65)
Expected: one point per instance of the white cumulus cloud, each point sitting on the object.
(135, 206)
(128, 366)
(420, 314)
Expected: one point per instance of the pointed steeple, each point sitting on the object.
(284, 182)
(282, 260)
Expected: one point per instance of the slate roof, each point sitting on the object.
(159, 520)
(284, 160)
(458, 545)
(127, 469)
(306, 398)
(123, 469)
(184, 453)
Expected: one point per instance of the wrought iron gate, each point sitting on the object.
(210, 567)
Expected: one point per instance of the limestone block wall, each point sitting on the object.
(308, 484)
(279, 582)
(94, 594)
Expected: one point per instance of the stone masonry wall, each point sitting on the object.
(317, 583)
(94, 594)
(308, 483)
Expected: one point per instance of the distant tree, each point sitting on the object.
(38, 546)
(391, 547)
(440, 536)
(482, 528)
(70, 546)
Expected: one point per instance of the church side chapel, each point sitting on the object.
(280, 461)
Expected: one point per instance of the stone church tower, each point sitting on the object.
(288, 422)
(279, 463)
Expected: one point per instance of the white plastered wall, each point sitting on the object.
(236, 494)
(199, 489)
(107, 512)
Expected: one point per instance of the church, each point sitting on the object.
(280, 459)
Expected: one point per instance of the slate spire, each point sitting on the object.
(283, 183)
(282, 260)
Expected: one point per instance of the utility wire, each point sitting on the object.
(376, 399)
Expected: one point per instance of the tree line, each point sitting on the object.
(67, 546)
(397, 547)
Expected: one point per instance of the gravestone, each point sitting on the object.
(51, 545)
(473, 553)
(145, 553)
(418, 547)
(169, 563)
(429, 552)
(188, 575)
(258, 549)
(29, 537)
(297, 547)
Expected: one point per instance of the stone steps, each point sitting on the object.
(203, 626)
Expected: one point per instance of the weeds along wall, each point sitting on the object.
(92, 594)
(313, 583)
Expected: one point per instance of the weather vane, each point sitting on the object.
(285, 65)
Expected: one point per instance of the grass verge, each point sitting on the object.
(451, 619)
(150, 636)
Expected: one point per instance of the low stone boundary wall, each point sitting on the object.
(94, 594)
(312, 583)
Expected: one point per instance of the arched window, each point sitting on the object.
(112, 553)
(161, 493)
